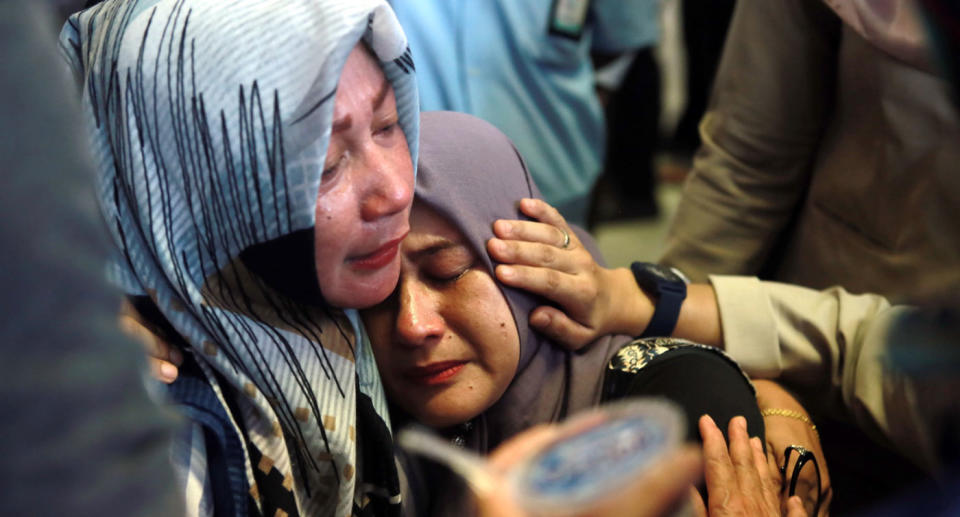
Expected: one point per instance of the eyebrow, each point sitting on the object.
(346, 121)
(441, 244)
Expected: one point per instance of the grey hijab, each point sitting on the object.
(471, 173)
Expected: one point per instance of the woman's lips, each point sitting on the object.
(435, 373)
(379, 258)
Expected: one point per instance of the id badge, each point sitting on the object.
(568, 18)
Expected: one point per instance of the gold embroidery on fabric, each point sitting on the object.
(302, 414)
(265, 465)
(329, 422)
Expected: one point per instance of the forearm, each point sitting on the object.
(699, 318)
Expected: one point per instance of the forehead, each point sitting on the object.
(360, 72)
(428, 227)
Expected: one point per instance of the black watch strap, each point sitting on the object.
(667, 310)
(669, 290)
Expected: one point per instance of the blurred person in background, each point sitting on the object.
(80, 436)
(625, 190)
(705, 24)
(527, 67)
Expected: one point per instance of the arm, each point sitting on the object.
(771, 99)
(831, 346)
(594, 301)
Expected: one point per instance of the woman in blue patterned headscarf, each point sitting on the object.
(248, 196)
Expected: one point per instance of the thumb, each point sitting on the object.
(795, 507)
(556, 325)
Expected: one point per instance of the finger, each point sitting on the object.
(768, 490)
(532, 231)
(741, 453)
(795, 507)
(556, 325)
(774, 460)
(718, 469)
(163, 371)
(559, 287)
(544, 212)
(136, 330)
(175, 356)
(533, 254)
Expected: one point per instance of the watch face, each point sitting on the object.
(658, 272)
(683, 278)
(651, 276)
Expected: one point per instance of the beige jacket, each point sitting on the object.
(803, 104)
(834, 349)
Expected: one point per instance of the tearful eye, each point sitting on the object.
(450, 278)
(387, 130)
(330, 172)
(445, 267)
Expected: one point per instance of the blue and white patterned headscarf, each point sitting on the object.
(210, 123)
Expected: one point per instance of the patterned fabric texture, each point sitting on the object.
(210, 122)
(637, 354)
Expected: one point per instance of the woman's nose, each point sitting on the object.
(419, 322)
(390, 183)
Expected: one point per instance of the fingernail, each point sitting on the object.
(539, 319)
(755, 442)
(795, 502)
(505, 227)
(505, 272)
(168, 371)
(496, 245)
(708, 419)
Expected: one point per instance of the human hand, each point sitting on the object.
(784, 431)
(595, 301)
(738, 478)
(661, 489)
(164, 359)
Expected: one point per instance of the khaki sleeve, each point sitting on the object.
(834, 349)
(771, 99)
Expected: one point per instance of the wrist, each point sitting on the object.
(632, 307)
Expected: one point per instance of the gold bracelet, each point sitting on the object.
(789, 413)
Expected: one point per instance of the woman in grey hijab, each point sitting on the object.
(454, 348)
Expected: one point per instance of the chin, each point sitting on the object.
(446, 415)
(443, 421)
(362, 292)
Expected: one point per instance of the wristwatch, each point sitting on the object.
(668, 287)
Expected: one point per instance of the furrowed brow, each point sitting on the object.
(342, 124)
(434, 248)
(381, 95)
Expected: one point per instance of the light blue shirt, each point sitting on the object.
(497, 60)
